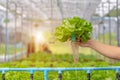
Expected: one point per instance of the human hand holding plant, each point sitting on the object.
(74, 29)
(84, 44)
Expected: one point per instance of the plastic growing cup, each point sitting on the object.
(73, 37)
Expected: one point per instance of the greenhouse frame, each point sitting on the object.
(28, 43)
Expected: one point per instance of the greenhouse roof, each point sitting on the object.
(56, 9)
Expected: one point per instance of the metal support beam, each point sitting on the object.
(118, 26)
(7, 34)
(15, 29)
(110, 41)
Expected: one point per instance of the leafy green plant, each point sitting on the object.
(41, 60)
(75, 26)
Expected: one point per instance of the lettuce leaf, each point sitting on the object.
(77, 26)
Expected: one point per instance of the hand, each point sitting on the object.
(84, 44)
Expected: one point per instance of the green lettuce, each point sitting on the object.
(73, 26)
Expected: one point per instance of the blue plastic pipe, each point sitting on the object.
(31, 74)
(59, 75)
(3, 75)
(88, 69)
(45, 75)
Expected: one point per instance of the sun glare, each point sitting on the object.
(39, 37)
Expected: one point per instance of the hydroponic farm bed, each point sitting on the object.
(62, 61)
